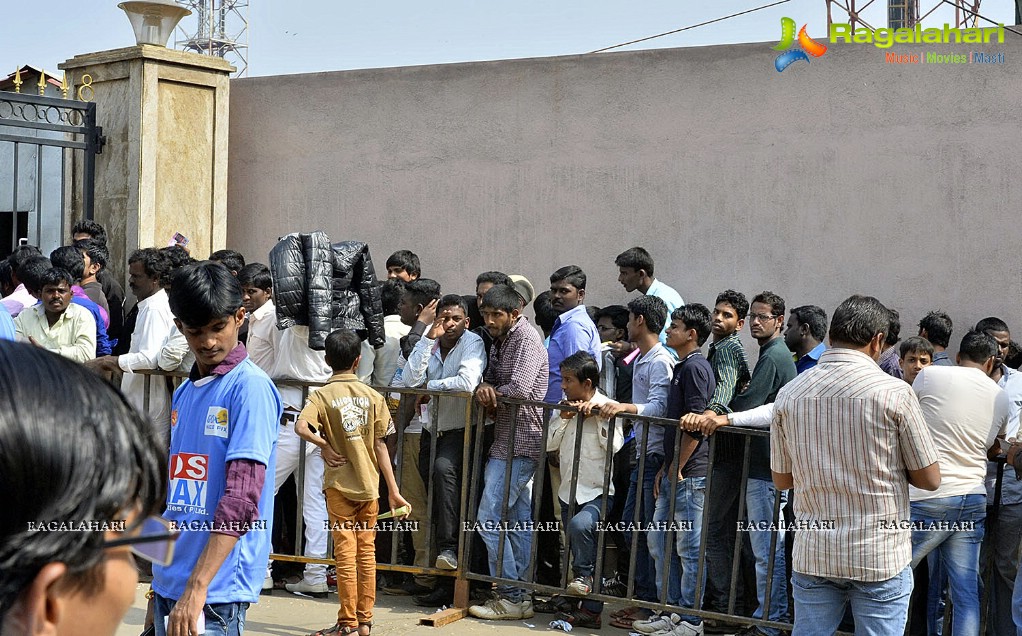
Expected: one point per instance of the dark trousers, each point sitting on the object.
(443, 484)
(722, 511)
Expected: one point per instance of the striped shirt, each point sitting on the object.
(730, 368)
(847, 432)
(519, 369)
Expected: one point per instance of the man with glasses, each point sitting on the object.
(774, 369)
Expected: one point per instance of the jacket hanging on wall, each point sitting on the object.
(326, 287)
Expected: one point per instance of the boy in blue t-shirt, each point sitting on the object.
(224, 422)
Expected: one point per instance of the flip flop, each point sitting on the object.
(629, 612)
(335, 630)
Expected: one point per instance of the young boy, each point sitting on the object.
(348, 421)
(404, 266)
(916, 353)
(55, 323)
(579, 378)
(224, 421)
(692, 386)
(257, 296)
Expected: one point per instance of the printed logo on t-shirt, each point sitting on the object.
(216, 422)
(353, 410)
(188, 480)
(173, 418)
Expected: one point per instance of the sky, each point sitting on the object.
(304, 36)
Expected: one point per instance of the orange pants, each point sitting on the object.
(352, 524)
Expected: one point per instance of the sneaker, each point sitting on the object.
(685, 628)
(498, 608)
(581, 618)
(654, 624)
(447, 560)
(581, 586)
(615, 587)
(315, 590)
(267, 586)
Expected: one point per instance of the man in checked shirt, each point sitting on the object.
(518, 369)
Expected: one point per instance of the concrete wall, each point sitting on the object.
(847, 175)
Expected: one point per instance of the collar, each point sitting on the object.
(572, 314)
(392, 318)
(720, 343)
(816, 352)
(840, 354)
(233, 359)
(649, 355)
(154, 298)
(264, 311)
(343, 377)
(697, 352)
(773, 342)
(40, 310)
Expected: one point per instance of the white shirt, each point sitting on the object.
(72, 336)
(593, 452)
(264, 337)
(153, 327)
(1011, 488)
(378, 366)
(175, 355)
(296, 361)
(964, 410)
(461, 370)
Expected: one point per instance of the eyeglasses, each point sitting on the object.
(762, 317)
(153, 541)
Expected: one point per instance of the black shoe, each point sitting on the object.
(713, 626)
(554, 605)
(440, 596)
(581, 618)
(408, 588)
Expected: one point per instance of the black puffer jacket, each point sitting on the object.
(326, 287)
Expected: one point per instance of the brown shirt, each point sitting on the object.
(351, 416)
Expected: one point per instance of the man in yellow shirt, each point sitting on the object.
(55, 324)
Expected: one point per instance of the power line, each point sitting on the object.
(984, 18)
(660, 35)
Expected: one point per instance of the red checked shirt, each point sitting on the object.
(519, 369)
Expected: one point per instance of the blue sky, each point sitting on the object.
(301, 36)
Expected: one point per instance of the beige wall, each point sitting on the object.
(846, 175)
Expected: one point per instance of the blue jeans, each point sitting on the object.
(956, 549)
(879, 608)
(222, 619)
(581, 530)
(517, 542)
(645, 587)
(688, 511)
(759, 503)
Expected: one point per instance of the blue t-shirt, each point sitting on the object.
(214, 420)
(6, 325)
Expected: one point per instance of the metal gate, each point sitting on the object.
(38, 180)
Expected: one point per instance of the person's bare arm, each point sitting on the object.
(783, 481)
(394, 495)
(925, 478)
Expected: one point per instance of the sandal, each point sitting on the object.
(335, 630)
(369, 629)
(627, 616)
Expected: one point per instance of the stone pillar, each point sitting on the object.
(164, 166)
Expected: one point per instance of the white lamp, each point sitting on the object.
(153, 20)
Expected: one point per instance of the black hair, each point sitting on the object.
(452, 300)
(546, 315)
(813, 316)
(231, 259)
(583, 366)
(938, 328)
(770, 298)
(6, 274)
(695, 316)
(105, 461)
(591, 311)
(736, 299)
(653, 309)
(422, 290)
(497, 278)
(154, 262)
(70, 259)
(178, 257)
(255, 275)
(390, 294)
(93, 229)
(31, 272)
(203, 292)
(893, 328)
(618, 315)
(97, 251)
(55, 276)
(978, 346)
(571, 274)
(991, 324)
(915, 343)
(637, 258)
(343, 347)
(858, 320)
(502, 298)
(406, 260)
(18, 257)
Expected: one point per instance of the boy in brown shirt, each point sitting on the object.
(351, 419)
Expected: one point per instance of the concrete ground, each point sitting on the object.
(284, 614)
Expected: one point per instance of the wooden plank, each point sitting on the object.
(443, 617)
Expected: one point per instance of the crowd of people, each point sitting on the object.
(881, 453)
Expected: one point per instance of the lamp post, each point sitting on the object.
(153, 20)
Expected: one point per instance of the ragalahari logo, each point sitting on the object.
(792, 55)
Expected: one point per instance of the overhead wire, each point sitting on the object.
(693, 26)
(981, 17)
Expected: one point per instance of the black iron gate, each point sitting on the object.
(39, 176)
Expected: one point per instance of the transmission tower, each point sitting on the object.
(218, 28)
(900, 13)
